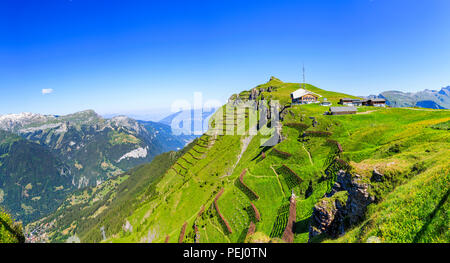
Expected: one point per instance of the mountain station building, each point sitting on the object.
(377, 102)
(303, 96)
(342, 110)
(351, 102)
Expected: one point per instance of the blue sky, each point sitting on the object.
(139, 56)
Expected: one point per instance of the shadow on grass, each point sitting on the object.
(243, 235)
(239, 185)
(264, 149)
(430, 217)
(302, 226)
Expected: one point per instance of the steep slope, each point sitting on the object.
(94, 148)
(326, 177)
(45, 157)
(33, 181)
(86, 211)
(166, 139)
(10, 232)
(305, 163)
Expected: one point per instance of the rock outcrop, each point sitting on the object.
(377, 176)
(344, 206)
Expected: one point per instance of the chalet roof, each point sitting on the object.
(347, 99)
(302, 92)
(342, 109)
(378, 100)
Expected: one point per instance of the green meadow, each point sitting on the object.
(409, 146)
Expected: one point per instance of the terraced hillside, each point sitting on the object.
(381, 175)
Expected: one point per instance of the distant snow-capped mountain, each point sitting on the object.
(434, 99)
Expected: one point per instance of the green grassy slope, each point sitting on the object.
(407, 145)
(399, 142)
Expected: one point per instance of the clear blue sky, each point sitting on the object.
(125, 56)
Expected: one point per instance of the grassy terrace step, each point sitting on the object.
(256, 212)
(183, 231)
(251, 230)
(249, 192)
(281, 221)
(193, 156)
(317, 133)
(184, 159)
(336, 144)
(204, 141)
(281, 153)
(199, 152)
(184, 168)
(297, 125)
(291, 177)
(388, 139)
(202, 210)
(336, 165)
(175, 170)
(216, 205)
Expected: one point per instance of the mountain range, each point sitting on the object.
(45, 157)
(433, 99)
(380, 175)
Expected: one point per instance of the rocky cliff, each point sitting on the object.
(344, 206)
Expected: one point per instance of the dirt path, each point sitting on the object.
(206, 235)
(366, 112)
(220, 230)
(259, 176)
(245, 142)
(278, 179)
(309, 154)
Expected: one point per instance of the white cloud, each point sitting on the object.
(47, 91)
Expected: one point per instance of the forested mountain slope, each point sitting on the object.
(45, 157)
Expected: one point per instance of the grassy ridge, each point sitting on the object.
(403, 144)
(376, 137)
(180, 198)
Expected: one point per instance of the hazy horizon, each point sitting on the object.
(114, 57)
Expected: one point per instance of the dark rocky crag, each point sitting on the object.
(344, 206)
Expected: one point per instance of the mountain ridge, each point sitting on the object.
(434, 99)
(343, 178)
(90, 148)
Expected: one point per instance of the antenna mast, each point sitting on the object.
(304, 76)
